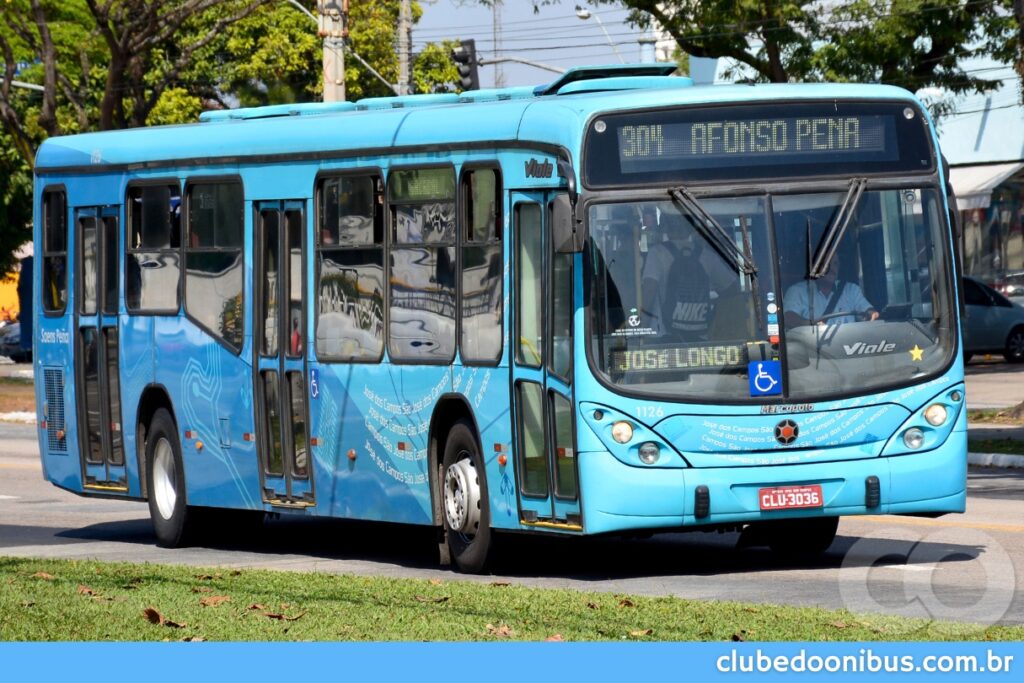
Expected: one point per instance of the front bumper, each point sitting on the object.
(620, 497)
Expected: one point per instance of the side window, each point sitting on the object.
(529, 286)
(482, 266)
(152, 268)
(213, 259)
(560, 359)
(975, 295)
(422, 258)
(350, 276)
(55, 251)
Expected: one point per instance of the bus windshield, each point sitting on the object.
(676, 314)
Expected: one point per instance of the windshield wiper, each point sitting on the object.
(837, 228)
(712, 231)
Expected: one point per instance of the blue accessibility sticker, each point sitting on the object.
(773, 318)
(765, 377)
(314, 383)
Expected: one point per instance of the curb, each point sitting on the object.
(995, 460)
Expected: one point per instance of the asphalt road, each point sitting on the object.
(965, 567)
(994, 383)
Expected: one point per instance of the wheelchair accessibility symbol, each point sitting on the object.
(765, 377)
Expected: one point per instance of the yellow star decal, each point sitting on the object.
(916, 353)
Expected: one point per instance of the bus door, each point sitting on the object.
(545, 449)
(279, 378)
(97, 384)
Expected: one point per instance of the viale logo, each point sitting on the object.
(539, 169)
(862, 349)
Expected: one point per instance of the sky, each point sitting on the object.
(555, 36)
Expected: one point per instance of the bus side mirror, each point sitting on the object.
(566, 239)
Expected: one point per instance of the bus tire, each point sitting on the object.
(802, 538)
(172, 518)
(464, 501)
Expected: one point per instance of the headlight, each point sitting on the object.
(622, 431)
(649, 453)
(935, 414)
(913, 438)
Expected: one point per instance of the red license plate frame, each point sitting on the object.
(791, 497)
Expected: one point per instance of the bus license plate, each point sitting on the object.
(790, 497)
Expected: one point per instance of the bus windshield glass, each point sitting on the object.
(673, 314)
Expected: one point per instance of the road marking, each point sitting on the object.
(920, 521)
(20, 466)
(3, 497)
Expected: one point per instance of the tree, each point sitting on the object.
(105, 64)
(15, 202)
(908, 43)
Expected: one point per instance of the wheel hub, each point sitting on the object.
(165, 481)
(462, 497)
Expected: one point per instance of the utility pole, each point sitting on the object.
(404, 48)
(334, 32)
(499, 73)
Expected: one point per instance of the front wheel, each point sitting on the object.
(173, 520)
(1014, 352)
(467, 519)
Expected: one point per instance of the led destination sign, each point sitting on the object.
(837, 134)
(680, 358)
(767, 141)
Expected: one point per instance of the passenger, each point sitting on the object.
(649, 233)
(809, 302)
(676, 288)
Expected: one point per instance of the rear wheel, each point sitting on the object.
(173, 520)
(1014, 352)
(801, 538)
(467, 519)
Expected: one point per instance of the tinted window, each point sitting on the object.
(482, 266)
(974, 295)
(350, 276)
(213, 259)
(152, 269)
(55, 251)
(422, 260)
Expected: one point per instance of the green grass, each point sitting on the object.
(1009, 446)
(992, 415)
(74, 600)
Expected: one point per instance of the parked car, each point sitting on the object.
(993, 324)
(10, 344)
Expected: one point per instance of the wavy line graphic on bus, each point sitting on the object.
(395, 427)
(825, 430)
(407, 408)
(134, 377)
(390, 470)
(329, 428)
(408, 456)
(202, 388)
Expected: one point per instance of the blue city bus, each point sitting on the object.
(616, 303)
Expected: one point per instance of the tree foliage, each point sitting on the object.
(908, 43)
(106, 64)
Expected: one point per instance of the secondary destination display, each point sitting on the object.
(736, 143)
(702, 357)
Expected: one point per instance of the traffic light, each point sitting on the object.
(464, 57)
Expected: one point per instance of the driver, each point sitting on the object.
(809, 301)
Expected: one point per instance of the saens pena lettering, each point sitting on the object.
(792, 135)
